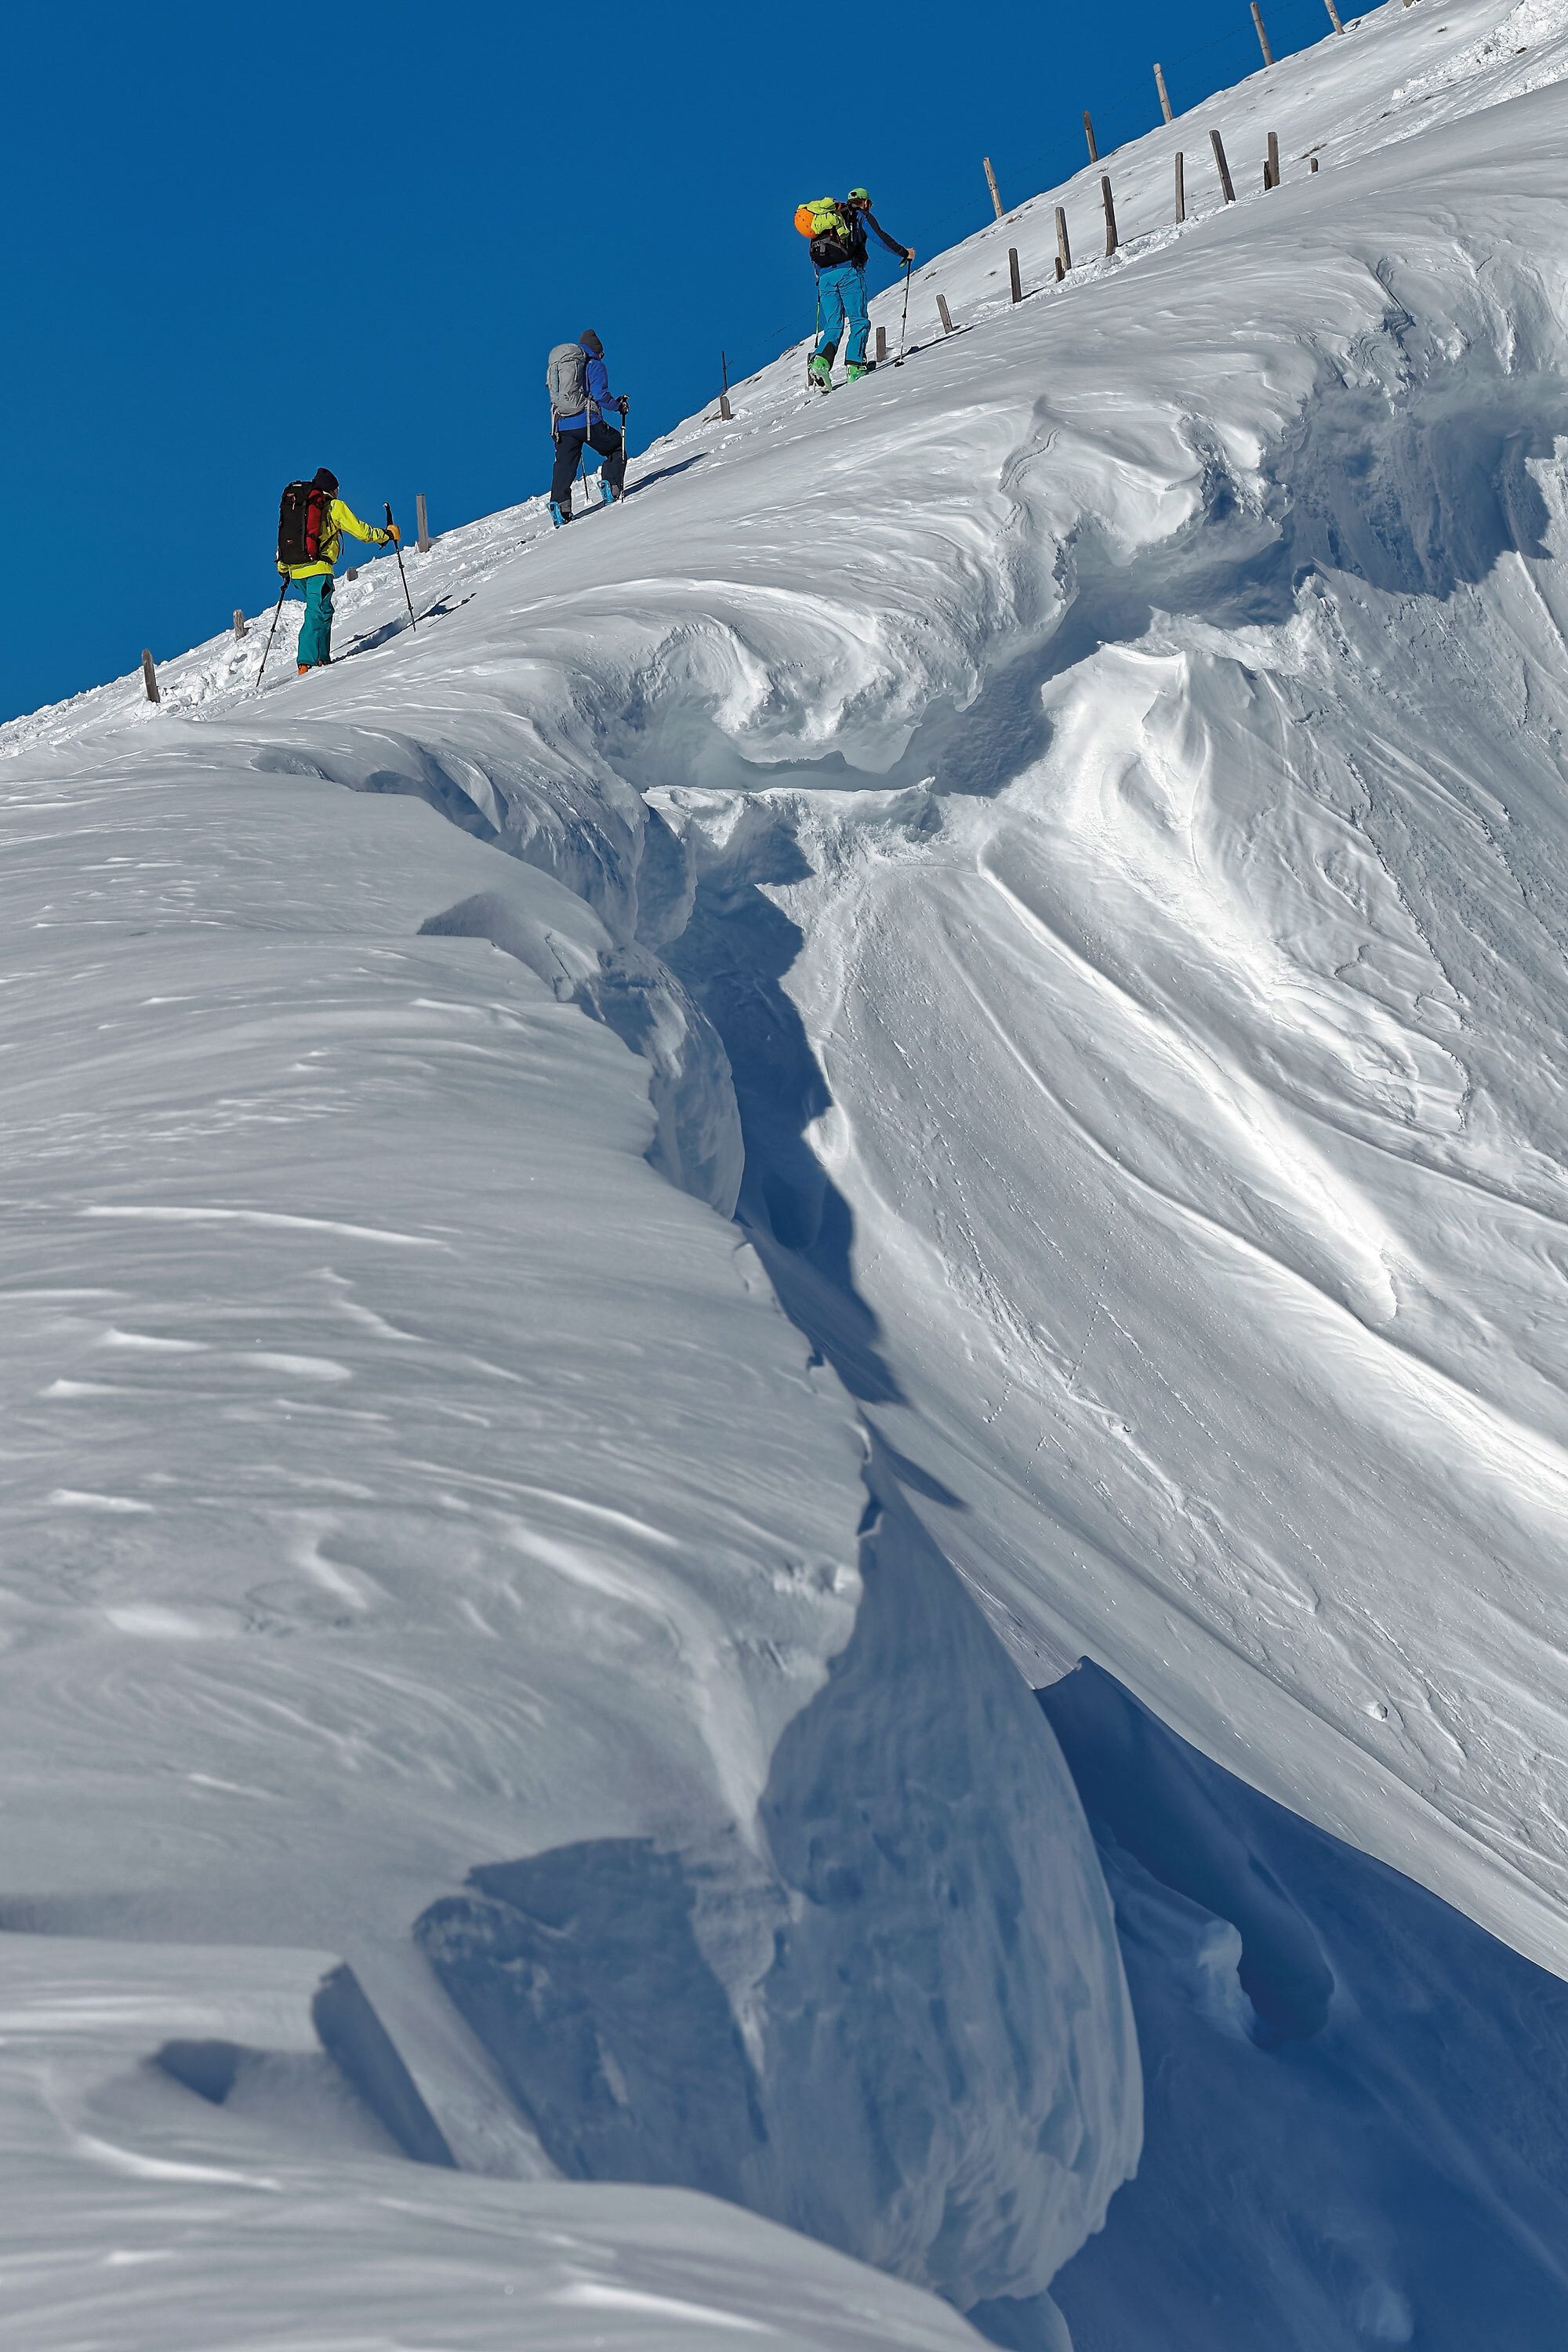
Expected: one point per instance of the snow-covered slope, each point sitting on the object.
(405, 1478)
(1069, 832)
(1395, 2172)
(283, 2220)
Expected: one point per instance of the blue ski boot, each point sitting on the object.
(606, 496)
(558, 515)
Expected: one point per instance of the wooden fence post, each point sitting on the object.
(1262, 36)
(1064, 252)
(1089, 134)
(238, 624)
(1315, 163)
(991, 180)
(1229, 193)
(150, 676)
(1110, 215)
(1018, 283)
(941, 314)
(881, 346)
(1273, 180)
(1181, 190)
(724, 395)
(424, 522)
(1159, 86)
(1333, 15)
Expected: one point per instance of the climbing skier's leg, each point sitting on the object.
(853, 299)
(831, 285)
(316, 630)
(568, 454)
(610, 446)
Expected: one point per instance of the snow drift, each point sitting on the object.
(1385, 2165)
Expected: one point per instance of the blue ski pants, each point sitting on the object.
(316, 629)
(842, 292)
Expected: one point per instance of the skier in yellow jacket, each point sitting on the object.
(316, 578)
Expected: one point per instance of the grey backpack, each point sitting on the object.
(566, 375)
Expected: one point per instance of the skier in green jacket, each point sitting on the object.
(316, 578)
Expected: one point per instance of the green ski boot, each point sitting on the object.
(857, 369)
(819, 371)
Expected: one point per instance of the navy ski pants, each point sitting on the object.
(611, 446)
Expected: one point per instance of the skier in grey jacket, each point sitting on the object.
(580, 394)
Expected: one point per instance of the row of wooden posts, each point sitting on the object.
(1064, 262)
(149, 667)
(1063, 256)
(1064, 252)
(1166, 110)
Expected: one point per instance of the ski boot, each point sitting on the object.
(607, 497)
(558, 515)
(819, 371)
(857, 369)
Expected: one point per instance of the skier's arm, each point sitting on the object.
(346, 519)
(599, 391)
(904, 252)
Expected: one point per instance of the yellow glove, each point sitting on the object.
(393, 533)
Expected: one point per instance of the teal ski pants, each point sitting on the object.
(316, 629)
(843, 296)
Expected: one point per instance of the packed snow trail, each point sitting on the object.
(1084, 808)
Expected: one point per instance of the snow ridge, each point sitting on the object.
(938, 2072)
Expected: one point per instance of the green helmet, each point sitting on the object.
(859, 196)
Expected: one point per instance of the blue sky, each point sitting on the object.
(240, 245)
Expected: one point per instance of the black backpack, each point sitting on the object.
(303, 519)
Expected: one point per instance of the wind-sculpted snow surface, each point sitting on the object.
(407, 1475)
(935, 2066)
(1180, 1015)
(278, 2217)
(405, 1478)
(1395, 2171)
(1065, 839)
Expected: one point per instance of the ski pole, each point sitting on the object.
(273, 630)
(904, 321)
(401, 573)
